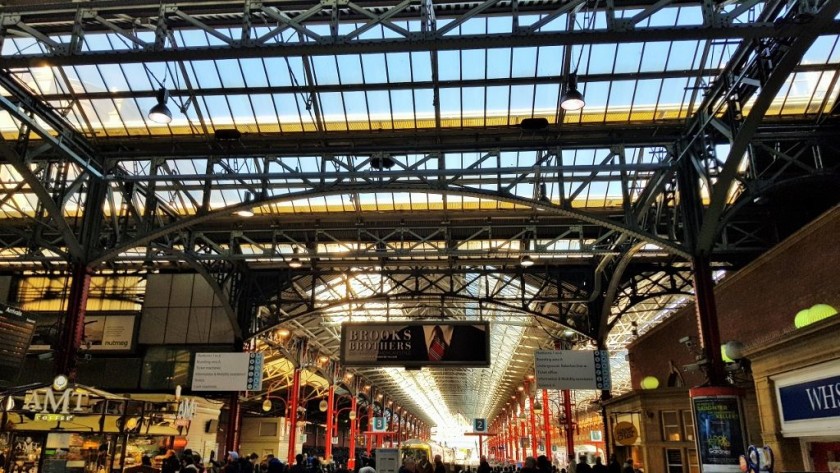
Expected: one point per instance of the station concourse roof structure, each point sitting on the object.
(349, 160)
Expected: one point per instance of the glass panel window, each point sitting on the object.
(688, 425)
(674, 460)
(671, 426)
(165, 368)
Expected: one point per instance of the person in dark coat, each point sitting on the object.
(599, 467)
(628, 466)
(582, 466)
(483, 465)
(614, 466)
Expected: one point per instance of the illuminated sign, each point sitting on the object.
(45, 401)
(54, 417)
(625, 433)
(415, 344)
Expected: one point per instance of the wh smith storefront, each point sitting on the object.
(797, 379)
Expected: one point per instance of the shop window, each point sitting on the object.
(671, 426)
(693, 462)
(165, 368)
(688, 425)
(268, 429)
(674, 460)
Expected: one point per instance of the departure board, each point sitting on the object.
(16, 330)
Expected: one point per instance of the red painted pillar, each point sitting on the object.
(480, 446)
(73, 328)
(234, 424)
(293, 405)
(547, 423)
(533, 419)
(370, 438)
(330, 423)
(570, 428)
(516, 438)
(354, 431)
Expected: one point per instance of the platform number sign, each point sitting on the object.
(379, 424)
(480, 425)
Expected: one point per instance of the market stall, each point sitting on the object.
(71, 428)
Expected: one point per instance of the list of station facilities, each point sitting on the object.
(572, 369)
(16, 330)
(227, 372)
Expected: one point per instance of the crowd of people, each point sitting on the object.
(191, 462)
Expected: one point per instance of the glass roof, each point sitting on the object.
(624, 83)
(638, 82)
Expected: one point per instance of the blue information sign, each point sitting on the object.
(816, 399)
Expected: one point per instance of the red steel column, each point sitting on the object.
(73, 329)
(533, 418)
(293, 405)
(234, 424)
(547, 423)
(354, 431)
(570, 432)
(370, 438)
(330, 422)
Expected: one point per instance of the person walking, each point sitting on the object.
(599, 466)
(582, 466)
(628, 466)
(483, 465)
(614, 466)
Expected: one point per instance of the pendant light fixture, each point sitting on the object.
(572, 98)
(160, 113)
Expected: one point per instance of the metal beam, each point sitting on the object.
(770, 87)
(427, 43)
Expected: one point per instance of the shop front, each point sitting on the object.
(72, 428)
(797, 379)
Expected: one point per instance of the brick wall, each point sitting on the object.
(757, 303)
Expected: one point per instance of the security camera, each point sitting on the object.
(685, 340)
(696, 366)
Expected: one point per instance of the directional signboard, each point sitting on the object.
(227, 372)
(379, 424)
(479, 425)
(572, 369)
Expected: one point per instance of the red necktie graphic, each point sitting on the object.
(438, 346)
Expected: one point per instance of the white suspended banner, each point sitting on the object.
(227, 372)
(572, 369)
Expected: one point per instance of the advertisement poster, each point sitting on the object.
(415, 344)
(720, 434)
(109, 333)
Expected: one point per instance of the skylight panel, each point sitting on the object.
(499, 66)
(350, 69)
(281, 70)
(450, 102)
(203, 74)
(402, 105)
(473, 64)
(379, 103)
(263, 108)
(240, 108)
(449, 65)
(102, 42)
(522, 100)
(231, 73)
(288, 111)
(823, 51)
(190, 38)
(356, 110)
(628, 57)
(550, 61)
(683, 55)
(399, 67)
(324, 69)
(373, 67)
(524, 62)
(655, 56)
